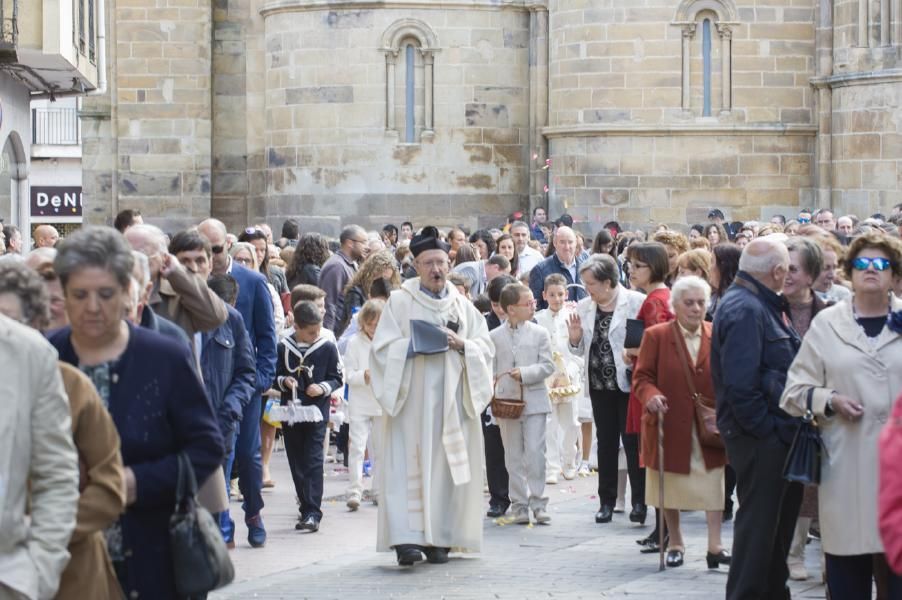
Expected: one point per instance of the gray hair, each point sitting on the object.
(689, 283)
(762, 255)
(810, 255)
(153, 240)
(27, 286)
(142, 266)
(603, 268)
(101, 247)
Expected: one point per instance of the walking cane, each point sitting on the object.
(661, 487)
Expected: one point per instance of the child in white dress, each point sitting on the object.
(365, 412)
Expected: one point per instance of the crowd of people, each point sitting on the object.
(445, 361)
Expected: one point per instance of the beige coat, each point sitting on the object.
(38, 463)
(836, 356)
(89, 573)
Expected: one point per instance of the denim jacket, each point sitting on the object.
(752, 347)
(229, 370)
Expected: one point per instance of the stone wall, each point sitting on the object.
(332, 156)
(148, 147)
(629, 135)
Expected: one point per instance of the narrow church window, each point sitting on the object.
(409, 95)
(706, 58)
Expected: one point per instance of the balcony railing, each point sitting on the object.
(55, 126)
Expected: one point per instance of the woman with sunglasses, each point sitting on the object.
(850, 366)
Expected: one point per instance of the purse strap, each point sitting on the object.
(684, 359)
(187, 483)
(808, 417)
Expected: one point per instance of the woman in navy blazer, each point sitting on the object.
(154, 396)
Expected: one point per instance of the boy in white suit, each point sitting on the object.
(563, 426)
(523, 350)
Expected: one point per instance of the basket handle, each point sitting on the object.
(508, 374)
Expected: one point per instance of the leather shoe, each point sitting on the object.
(722, 558)
(436, 555)
(408, 554)
(309, 523)
(639, 513)
(650, 543)
(674, 558)
(495, 511)
(604, 514)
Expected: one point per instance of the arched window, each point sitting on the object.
(701, 56)
(409, 46)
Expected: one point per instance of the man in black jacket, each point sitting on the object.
(752, 347)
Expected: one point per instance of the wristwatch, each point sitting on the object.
(828, 411)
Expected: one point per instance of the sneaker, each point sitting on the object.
(797, 571)
(521, 517)
(583, 469)
(541, 516)
(256, 533)
(569, 473)
(551, 480)
(353, 501)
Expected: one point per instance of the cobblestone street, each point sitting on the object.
(571, 558)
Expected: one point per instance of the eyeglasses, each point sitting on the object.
(359, 241)
(217, 249)
(532, 304)
(863, 262)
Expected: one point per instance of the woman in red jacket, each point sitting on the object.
(649, 267)
(671, 354)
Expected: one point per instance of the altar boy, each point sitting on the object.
(523, 350)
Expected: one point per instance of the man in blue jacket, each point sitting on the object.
(565, 260)
(227, 361)
(255, 305)
(752, 346)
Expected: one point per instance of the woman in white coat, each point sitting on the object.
(597, 331)
(850, 364)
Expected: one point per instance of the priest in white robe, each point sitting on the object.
(431, 467)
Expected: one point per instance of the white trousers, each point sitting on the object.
(561, 438)
(524, 457)
(365, 432)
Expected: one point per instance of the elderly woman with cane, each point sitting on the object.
(672, 377)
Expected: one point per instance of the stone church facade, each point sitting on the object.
(461, 111)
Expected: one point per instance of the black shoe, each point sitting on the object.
(408, 554)
(639, 513)
(436, 555)
(674, 558)
(715, 560)
(604, 514)
(496, 511)
(309, 523)
(650, 543)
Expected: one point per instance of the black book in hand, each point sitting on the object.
(634, 330)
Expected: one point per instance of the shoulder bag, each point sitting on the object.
(803, 463)
(200, 559)
(705, 413)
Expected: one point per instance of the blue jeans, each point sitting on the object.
(250, 464)
(226, 524)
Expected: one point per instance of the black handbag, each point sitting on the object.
(200, 559)
(803, 463)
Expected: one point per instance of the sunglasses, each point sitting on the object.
(863, 262)
(217, 249)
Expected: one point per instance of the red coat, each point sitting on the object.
(655, 309)
(890, 498)
(659, 371)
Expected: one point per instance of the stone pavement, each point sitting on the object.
(571, 558)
